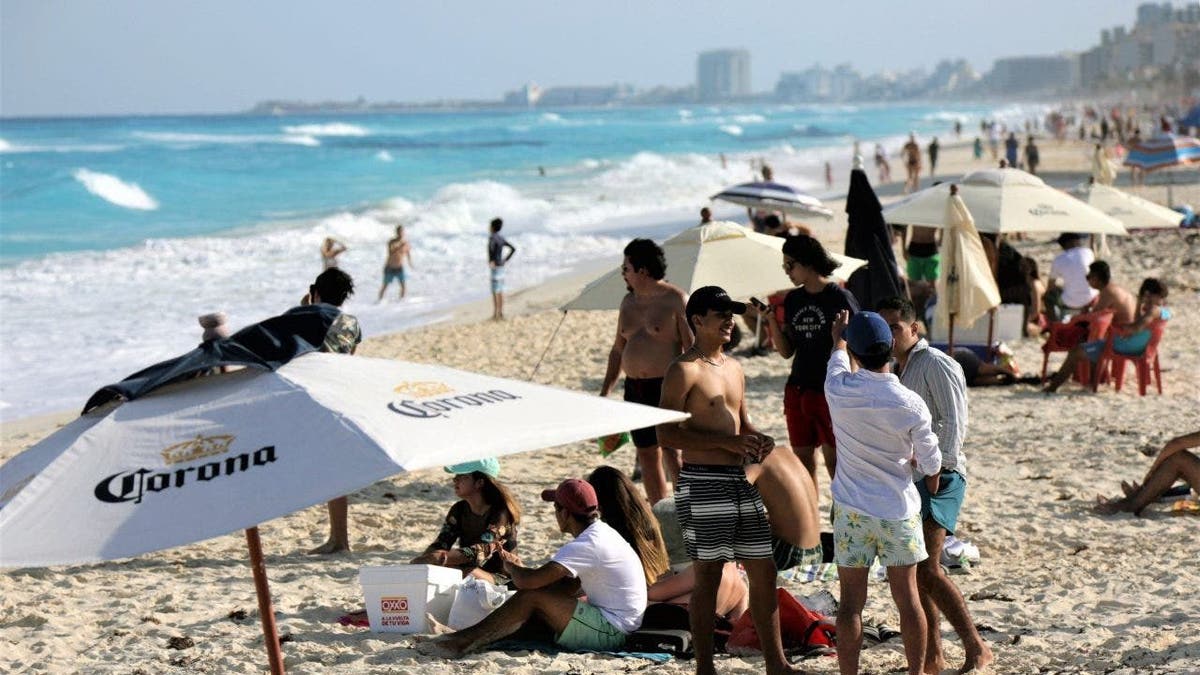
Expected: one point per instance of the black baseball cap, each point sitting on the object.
(712, 298)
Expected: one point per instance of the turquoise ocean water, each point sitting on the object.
(115, 233)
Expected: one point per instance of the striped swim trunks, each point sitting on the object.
(721, 514)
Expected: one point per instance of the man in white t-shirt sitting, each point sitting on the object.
(1069, 273)
(597, 561)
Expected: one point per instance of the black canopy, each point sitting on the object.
(266, 345)
(869, 237)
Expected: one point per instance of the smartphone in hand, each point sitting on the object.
(758, 304)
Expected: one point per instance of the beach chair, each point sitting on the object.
(1061, 339)
(1142, 363)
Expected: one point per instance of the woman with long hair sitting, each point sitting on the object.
(624, 509)
(484, 520)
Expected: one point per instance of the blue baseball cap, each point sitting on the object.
(488, 465)
(868, 334)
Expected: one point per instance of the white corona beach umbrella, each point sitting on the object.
(966, 289)
(1005, 200)
(721, 253)
(775, 197)
(1133, 211)
(212, 455)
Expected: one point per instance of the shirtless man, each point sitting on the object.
(721, 514)
(912, 163)
(923, 262)
(1131, 320)
(399, 252)
(651, 332)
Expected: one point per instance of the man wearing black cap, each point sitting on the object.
(885, 438)
(597, 561)
(720, 512)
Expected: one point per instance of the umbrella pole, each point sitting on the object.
(265, 611)
(991, 333)
(547, 349)
(950, 335)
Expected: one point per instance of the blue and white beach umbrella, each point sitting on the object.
(1164, 150)
(774, 197)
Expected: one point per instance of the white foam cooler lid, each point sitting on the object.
(408, 574)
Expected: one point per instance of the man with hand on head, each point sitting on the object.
(883, 431)
(939, 381)
(721, 513)
(597, 561)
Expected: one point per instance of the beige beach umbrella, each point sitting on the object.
(1133, 211)
(966, 289)
(721, 253)
(1103, 170)
(1005, 200)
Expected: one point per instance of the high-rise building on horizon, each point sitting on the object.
(723, 74)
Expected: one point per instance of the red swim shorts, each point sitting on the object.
(807, 414)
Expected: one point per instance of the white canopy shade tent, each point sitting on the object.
(212, 455)
(1005, 200)
(1134, 212)
(721, 253)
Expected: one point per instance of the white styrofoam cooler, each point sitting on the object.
(1010, 326)
(399, 597)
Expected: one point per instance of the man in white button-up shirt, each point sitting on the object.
(883, 431)
(939, 381)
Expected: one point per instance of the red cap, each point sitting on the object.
(574, 495)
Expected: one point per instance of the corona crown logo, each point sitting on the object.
(422, 389)
(199, 447)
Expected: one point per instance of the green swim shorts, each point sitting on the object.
(858, 539)
(923, 268)
(589, 630)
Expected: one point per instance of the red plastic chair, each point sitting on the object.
(1142, 363)
(1061, 340)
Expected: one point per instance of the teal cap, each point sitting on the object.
(488, 465)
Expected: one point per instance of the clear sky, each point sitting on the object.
(79, 57)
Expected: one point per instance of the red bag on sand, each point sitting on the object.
(798, 625)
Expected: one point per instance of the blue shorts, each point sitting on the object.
(391, 274)
(497, 279)
(943, 507)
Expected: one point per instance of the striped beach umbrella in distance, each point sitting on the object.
(774, 197)
(1164, 151)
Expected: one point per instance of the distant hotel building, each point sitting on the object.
(723, 74)
(1032, 73)
(1165, 38)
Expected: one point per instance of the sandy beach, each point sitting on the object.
(1059, 589)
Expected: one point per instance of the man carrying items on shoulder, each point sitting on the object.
(721, 514)
(939, 381)
(597, 562)
(332, 287)
(883, 431)
(651, 332)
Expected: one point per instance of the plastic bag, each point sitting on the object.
(475, 599)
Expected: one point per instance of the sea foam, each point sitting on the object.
(331, 129)
(115, 191)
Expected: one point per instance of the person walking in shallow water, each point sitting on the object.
(496, 262)
(399, 252)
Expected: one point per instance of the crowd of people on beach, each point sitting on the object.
(724, 507)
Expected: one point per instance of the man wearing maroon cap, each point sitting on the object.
(597, 561)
